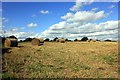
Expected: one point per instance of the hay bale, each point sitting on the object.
(93, 40)
(78, 40)
(11, 42)
(62, 40)
(41, 41)
(57, 40)
(36, 42)
(88, 40)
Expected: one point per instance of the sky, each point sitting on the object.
(95, 20)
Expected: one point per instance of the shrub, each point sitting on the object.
(84, 39)
(47, 39)
(55, 39)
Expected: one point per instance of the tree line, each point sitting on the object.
(48, 40)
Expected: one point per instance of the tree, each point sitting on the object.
(28, 39)
(66, 39)
(76, 40)
(97, 40)
(108, 40)
(69, 40)
(84, 39)
(47, 39)
(20, 41)
(12, 37)
(55, 39)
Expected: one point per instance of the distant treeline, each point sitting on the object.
(2, 39)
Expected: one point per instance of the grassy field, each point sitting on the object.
(62, 60)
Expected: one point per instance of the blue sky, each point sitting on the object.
(20, 14)
(44, 19)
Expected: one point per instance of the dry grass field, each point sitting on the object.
(62, 60)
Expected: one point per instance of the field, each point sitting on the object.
(62, 60)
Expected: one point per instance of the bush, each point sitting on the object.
(47, 39)
(66, 39)
(108, 40)
(84, 39)
(55, 39)
(12, 37)
(76, 40)
(28, 39)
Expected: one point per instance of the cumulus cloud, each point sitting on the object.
(82, 23)
(80, 3)
(84, 16)
(44, 12)
(108, 29)
(76, 25)
(14, 29)
(19, 34)
(32, 25)
(76, 7)
(94, 9)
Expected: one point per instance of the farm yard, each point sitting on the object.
(61, 60)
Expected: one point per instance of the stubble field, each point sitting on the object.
(62, 60)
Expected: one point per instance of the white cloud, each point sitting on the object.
(77, 25)
(14, 29)
(44, 12)
(84, 16)
(67, 16)
(80, 3)
(19, 34)
(32, 25)
(102, 31)
(80, 24)
(94, 9)
(112, 6)
(76, 7)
